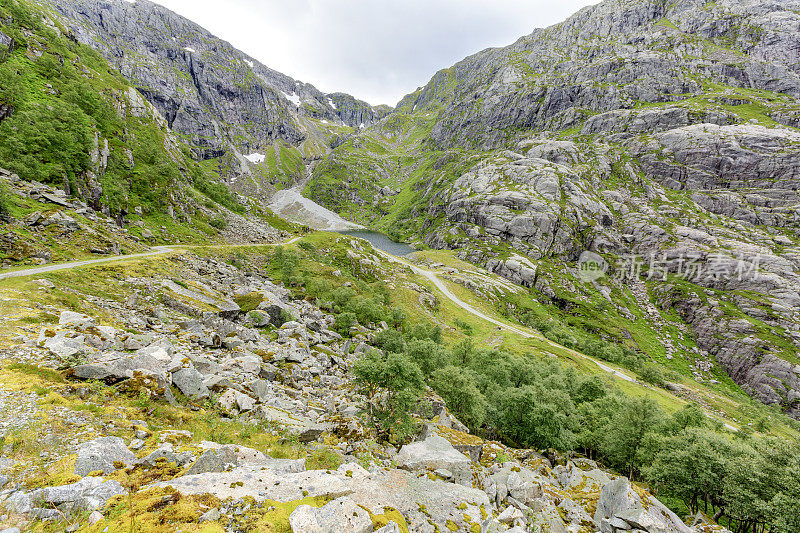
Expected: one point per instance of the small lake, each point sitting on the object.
(380, 241)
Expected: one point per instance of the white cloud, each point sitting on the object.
(376, 50)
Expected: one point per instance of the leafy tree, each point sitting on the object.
(627, 430)
(464, 351)
(690, 416)
(392, 385)
(426, 331)
(47, 143)
(588, 390)
(390, 340)
(368, 310)
(652, 374)
(762, 488)
(428, 355)
(691, 466)
(344, 321)
(534, 418)
(459, 390)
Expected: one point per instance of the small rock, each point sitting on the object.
(73, 319)
(210, 516)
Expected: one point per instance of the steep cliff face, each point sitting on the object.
(644, 129)
(220, 98)
(617, 55)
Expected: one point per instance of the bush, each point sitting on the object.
(344, 322)
(391, 341)
(428, 355)
(392, 385)
(465, 327)
(249, 302)
(426, 331)
(458, 387)
(367, 310)
(5, 201)
(535, 418)
(218, 223)
(652, 374)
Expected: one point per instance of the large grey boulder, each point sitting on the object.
(190, 382)
(88, 494)
(621, 507)
(76, 320)
(435, 453)
(218, 460)
(100, 454)
(339, 515)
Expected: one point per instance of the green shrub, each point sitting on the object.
(218, 223)
(249, 302)
(5, 201)
(459, 389)
(392, 386)
(652, 374)
(428, 355)
(344, 321)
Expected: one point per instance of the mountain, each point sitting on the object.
(229, 106)
(659, 130)
(603, 298)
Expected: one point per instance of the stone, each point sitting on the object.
(434, 453)
(65, 346)
(339, 515)
(390, 527)
(100, 454)
(210, 516)
(510, 515)
(618, 500)
(95, 517)
(76, 320)
(89, 494)
(218, 460)
(165, 452)
(190, 382)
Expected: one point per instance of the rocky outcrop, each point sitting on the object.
(356, 113)
(612, 56)
(222, 100)
(554, 199)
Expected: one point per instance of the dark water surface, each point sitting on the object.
(380, 241)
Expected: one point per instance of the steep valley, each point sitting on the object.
(597, 331)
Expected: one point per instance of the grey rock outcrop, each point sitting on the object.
(101, 454)
(223, 100)
(620, 508)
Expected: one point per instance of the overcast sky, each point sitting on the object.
(376, 50)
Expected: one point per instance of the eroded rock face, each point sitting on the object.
(99, 455)
(622, 508)
(708, 156)
(435, 453)
(341, 514)
(553, 200)
(222, 99)
(610, 57)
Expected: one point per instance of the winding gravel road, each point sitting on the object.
(430, 275)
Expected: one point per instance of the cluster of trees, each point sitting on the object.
(534, 403)
(747, 482)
